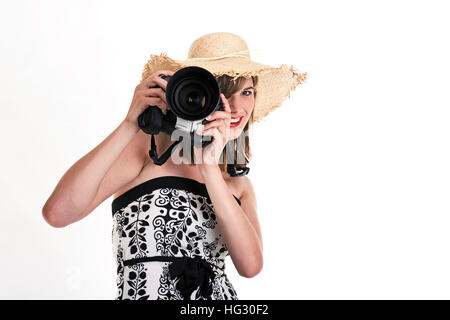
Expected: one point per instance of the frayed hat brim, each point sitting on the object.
(275, 84)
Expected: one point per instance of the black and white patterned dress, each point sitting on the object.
(168, 244)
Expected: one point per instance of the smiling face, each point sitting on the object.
(242, 103)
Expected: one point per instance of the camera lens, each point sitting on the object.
(193, 93)
(196, 100)
(192, 97)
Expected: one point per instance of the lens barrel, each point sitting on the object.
(193, 93)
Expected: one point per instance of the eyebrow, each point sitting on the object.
(249, 88)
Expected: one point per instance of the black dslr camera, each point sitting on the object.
(192, 94)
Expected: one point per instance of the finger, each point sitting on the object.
(224, 129)
(156, 101)
(153, 92)
(221, 129)
(221, 124)
(226, 104)
(219, 115)
(214, 132)
(209, 132)
(155, 75)
(155, 80)
(214, 124)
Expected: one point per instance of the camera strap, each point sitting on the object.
(153, 154)
(231, 169)
(237, 172)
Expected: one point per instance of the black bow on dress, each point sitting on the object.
(193, 273)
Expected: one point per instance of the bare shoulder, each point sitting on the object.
(245, 187)
(248, 200)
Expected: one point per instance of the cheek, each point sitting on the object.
(247, 116)
(248, 104)
(249, 108)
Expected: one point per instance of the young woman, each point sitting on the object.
(174, 224)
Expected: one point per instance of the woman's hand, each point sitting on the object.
(145, 96)
(220, 131)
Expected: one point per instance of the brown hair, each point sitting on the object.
(228, 87)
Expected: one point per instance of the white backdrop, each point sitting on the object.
(351, 174)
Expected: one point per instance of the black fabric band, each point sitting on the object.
(181, 183)
(133, 261)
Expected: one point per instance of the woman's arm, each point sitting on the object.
(239, 224)
(91, 179)
(80, 184)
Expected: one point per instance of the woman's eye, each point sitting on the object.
(248, 94)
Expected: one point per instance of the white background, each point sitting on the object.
(351, 174)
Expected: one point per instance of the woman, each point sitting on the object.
(174, 224)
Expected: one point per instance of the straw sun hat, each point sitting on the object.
(226, 53)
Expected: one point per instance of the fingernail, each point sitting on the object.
(199, 129)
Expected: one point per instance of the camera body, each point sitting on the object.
(192, 94)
